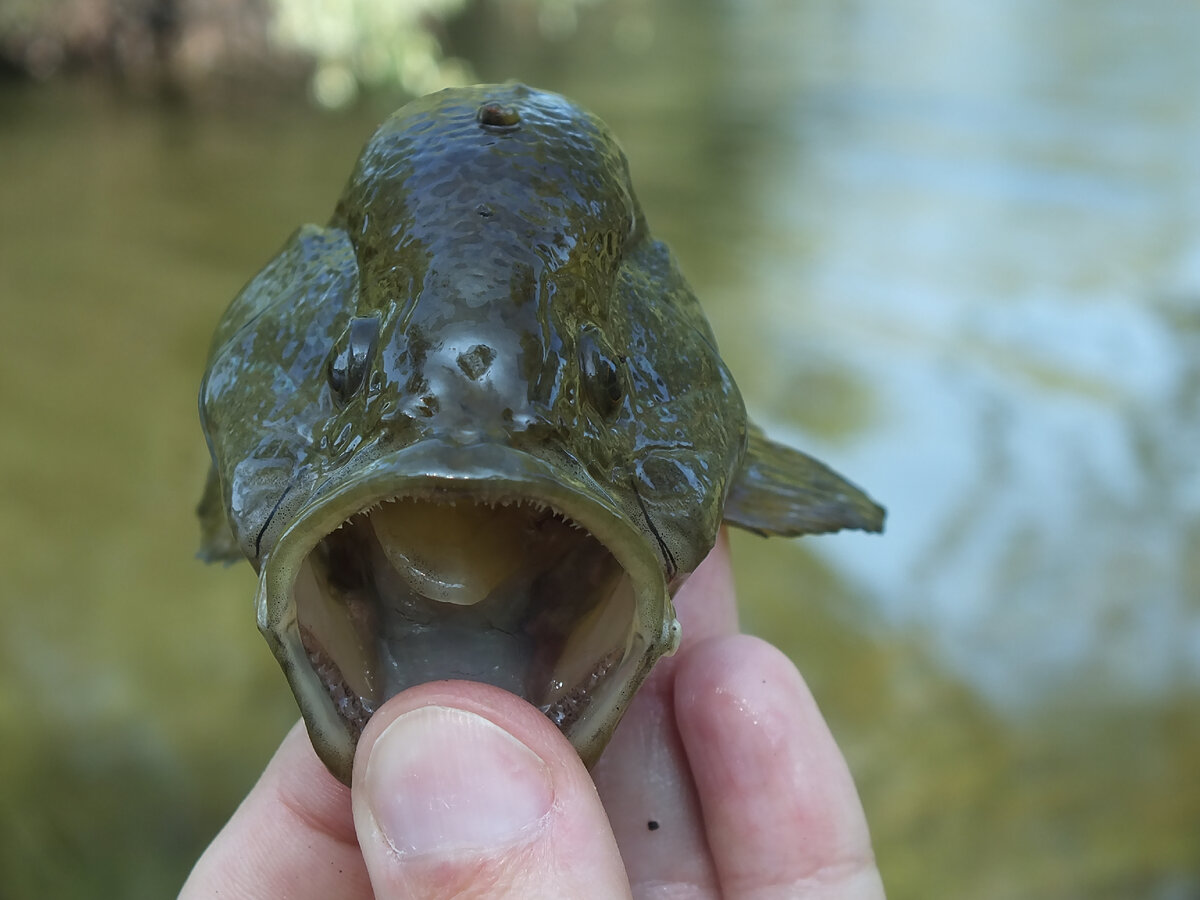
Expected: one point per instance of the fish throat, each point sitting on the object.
(512, 593)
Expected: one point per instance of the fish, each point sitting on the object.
(477, 427)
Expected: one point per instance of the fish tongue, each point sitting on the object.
(453, 554)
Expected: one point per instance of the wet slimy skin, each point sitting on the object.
(477, 427)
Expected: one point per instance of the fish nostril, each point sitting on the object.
(476, 361)
(493, 116)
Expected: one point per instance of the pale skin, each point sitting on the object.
(723, 780)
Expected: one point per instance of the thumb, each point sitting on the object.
(462, 789)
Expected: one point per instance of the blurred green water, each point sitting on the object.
(954, 251)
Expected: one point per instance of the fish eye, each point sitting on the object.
(600, 375)
(348, 368)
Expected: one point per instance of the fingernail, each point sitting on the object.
(443, 780)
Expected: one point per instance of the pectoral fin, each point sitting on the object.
(782, 491)
(217, 542)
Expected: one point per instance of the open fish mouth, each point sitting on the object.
(514, 595)
(497, 570)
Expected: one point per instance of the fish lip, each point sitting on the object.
(436, 469)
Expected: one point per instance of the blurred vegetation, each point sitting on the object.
(338, 47)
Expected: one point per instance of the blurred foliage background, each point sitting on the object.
(954, 249)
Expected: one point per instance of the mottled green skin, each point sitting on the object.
(522, 303)
(458, 236)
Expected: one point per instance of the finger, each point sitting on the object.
(781, 813)
(706, 605)
(462, 789)
(293, 836)
(643, 776)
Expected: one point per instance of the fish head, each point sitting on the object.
(474, 427)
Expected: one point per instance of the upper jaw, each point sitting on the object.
(574, 625)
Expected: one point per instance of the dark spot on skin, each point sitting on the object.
(497, 117)
(416, 383)
(524, 284)
(476, 361)
(652, 825)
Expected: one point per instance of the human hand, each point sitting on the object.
(721, 781)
